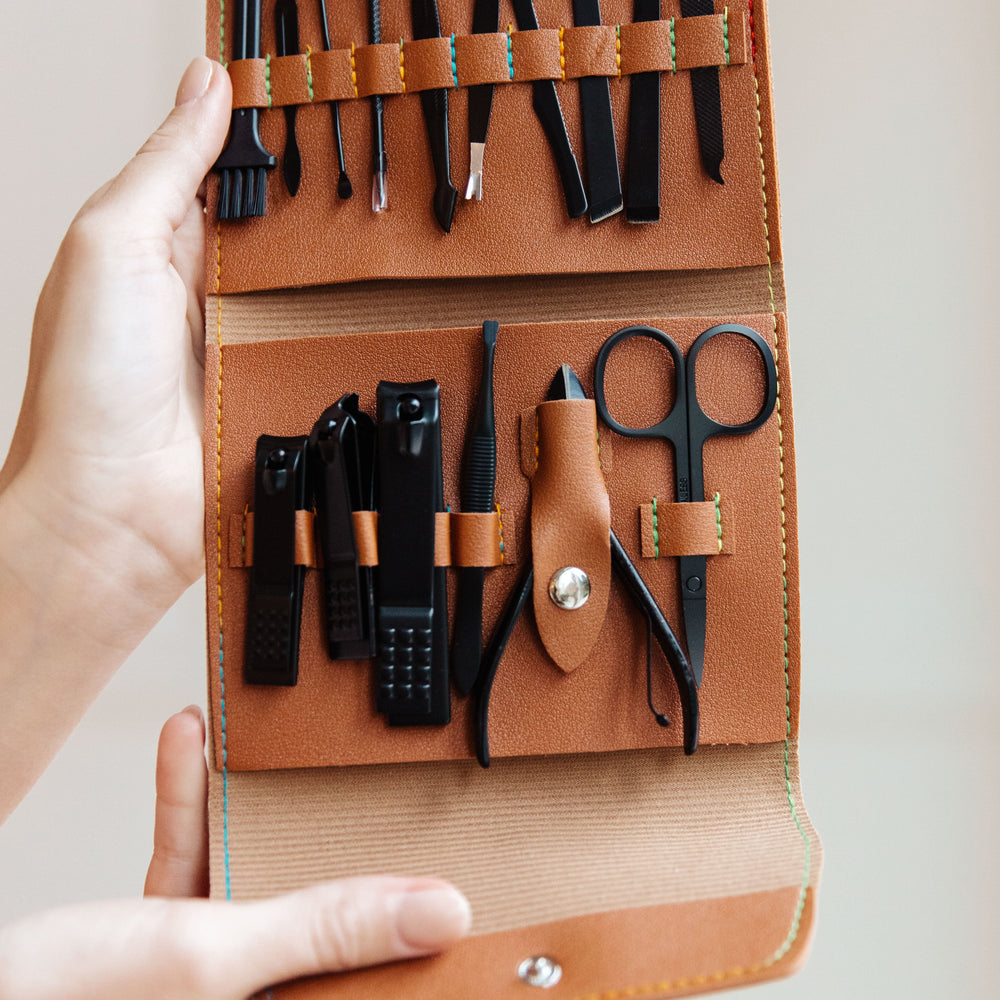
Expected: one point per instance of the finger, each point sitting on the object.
(179, 866)
(160, 183)
(167, 949)
(342, 925)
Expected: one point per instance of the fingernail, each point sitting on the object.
(195, 81)
(431, 918)
(197, 713)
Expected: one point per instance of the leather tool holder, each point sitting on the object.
(592, 841)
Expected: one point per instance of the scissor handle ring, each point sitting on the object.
(660, 429)
(709, 427)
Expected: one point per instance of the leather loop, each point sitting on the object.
(646, 47)
(289, 81)
(331, 75)
(459, 539)
(570, 526)
(481, 59)
(377, 69)
(529, 441)
(700, 41)
(590, 50)
(536, 54)
(427, 64)
(686, 529)
(249, 80)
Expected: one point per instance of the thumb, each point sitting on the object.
(161, 181)
(161, 949)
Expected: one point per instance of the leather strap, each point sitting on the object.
(686, 529)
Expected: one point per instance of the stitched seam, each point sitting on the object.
(354, 72)
(267, 78)
(536, 442)
(598, 435)
(309, 71)
(656, 532)
(562, 53)
(618, 49)
(510, 50)
(222, 32)
(500, 532)
(725, 32)
(673, 48)
(402, 71)
(243, 537)
(718, 520)
(793, 932)
(454, 65)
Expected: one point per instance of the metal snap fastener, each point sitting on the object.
(540, 971)
(569, 588)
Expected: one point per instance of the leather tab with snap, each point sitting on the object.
(570, 529)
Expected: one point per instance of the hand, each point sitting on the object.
(101, 494)
(169, 948)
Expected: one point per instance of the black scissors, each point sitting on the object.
(688, 427)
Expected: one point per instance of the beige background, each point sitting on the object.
(888, 146)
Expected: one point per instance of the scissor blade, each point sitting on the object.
(565, 385)
(694, 632)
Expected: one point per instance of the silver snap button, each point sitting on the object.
(540, 971)
(569, 588)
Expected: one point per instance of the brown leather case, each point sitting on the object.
(592, 839)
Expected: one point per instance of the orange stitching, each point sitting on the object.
(562, 53)
(402, 71)
(354, 72)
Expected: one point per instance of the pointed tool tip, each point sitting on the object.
(490, 330)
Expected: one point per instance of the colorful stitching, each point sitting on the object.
(562, 53)
(354, 72)
(510, 51)
(673, 48)
(309, 71)
(454, 65)
(267, 78)
(718, 520)
(500, 532)
(402, 71)
(222, 32)
(725, 32)
(656, 532)
(618, 49)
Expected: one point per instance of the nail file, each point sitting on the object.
(707, 101)
(485, 19)
(642, 186)
(286, 33)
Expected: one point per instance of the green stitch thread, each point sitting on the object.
(718, 520)
(673, 48)
(309, 71)
(656, 532)
(725, 31)
(267, 78)
(222, 32)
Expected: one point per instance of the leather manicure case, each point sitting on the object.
(592, 840)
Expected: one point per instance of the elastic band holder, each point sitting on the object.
(437, 63)
(686, 529)
(460, 539)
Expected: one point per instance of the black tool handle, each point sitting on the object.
(435, 105)
(246, 29)
(707, 102)
(545, 101)
(667, 641)
(642, 187)
(485, 20)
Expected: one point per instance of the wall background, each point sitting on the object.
(888, 146)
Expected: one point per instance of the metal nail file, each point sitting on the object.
(545, 101)
(707, 101)
(412, 684)
(427, 24)
(380, 162)
(274, 610)
(286, 33)
(642, 185)
(485, 19)
(604, 185)
(479, 476)
(344, 186)
(335, 469)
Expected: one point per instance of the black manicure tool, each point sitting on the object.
(707, 101)
(642, 187)
(567, 386)
(286, 31)
(380, 162)
(274, 609)
(344, 188)
(687, 427)
(485, 20)
(412, 687)
(427, 24)
(244, 162)
(336, 470)
(604, 184)
(545, 101)
(479, 476)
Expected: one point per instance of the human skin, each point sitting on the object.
(100, 533)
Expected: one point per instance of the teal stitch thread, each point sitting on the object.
(267, 78)
(725, 32)
(510, 55)
(454, 65)
(718, 519)
(225, 775)
(673, 48)
(656, 532)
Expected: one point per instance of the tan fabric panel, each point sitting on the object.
(530, 840)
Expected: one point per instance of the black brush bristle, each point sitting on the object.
(225, 192)
(260, 192)
(236, 195)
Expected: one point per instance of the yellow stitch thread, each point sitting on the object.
(536, 444)
(562, 53)
(354, 72)
(309, 70)
(618, 49)
(402, 72)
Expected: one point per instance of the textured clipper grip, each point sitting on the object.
(343, 623)
(407, 689)
(272, 653)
